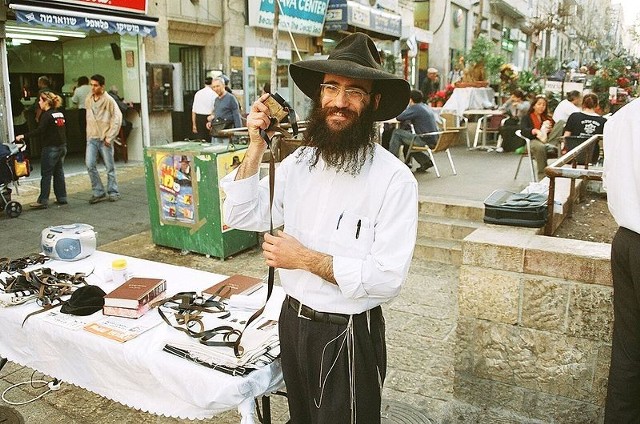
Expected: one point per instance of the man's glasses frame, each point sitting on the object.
(331, 91)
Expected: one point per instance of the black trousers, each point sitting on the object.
(201, 126)
(82, 123)
(623, 391)
(319, 374)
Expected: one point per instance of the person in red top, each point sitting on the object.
(536, 125)
(52, 134)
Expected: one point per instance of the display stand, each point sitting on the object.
(185, 201)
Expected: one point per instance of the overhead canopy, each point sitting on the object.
(36, 12)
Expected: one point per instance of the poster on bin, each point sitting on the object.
(227, 162)
(176, 189)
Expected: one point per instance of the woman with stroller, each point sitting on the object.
(51, 130)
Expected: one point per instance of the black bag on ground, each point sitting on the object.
(516, 209)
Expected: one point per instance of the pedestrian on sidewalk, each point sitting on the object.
(103, 124)
(79, 99)
(349, 210)
(202, 107)
(51, 132)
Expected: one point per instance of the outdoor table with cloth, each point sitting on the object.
(136, 373)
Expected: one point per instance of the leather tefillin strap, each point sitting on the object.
(45, 285)
(188, 310)
(238, 350)
(12, 265)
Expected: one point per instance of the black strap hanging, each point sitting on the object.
(237, 348)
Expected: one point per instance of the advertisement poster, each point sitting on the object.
(176, 188)
(227, 162)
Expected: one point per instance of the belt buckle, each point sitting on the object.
(300, 312)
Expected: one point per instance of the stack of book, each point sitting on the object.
(134, 297)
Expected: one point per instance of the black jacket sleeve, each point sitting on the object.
(526, 126)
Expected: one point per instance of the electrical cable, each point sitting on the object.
(52, 386)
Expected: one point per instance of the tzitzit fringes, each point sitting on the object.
(322, 382)
(352, 373)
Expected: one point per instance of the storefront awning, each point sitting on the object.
(342, 14)
(83, 18)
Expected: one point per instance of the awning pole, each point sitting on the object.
(6, 113)
(274, 50)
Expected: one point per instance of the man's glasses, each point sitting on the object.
(331, 91)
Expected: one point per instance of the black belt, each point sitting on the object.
(307, 313)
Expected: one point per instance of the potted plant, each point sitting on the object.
(483, 64)
(440, 97)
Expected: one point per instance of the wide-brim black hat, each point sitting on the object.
(356, 56)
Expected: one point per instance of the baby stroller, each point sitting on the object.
(9, 153)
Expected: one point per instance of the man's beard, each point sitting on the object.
(346, 149)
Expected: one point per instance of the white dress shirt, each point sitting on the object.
(622, 165)
(367, 223)
(203, 101)
(563, 110)
(80, 95)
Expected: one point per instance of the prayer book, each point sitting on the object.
(135, 292)
(117, 311)
(236, 284)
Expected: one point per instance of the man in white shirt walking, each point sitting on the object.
(349, 210)
(202, 107)
(622, 182)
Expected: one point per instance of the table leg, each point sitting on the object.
(3, 362)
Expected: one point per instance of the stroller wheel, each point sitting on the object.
(13, 209)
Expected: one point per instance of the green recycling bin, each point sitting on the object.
(185, 201)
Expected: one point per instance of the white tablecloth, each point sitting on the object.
(136, 373)
(469, 98)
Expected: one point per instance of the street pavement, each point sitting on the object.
(420, 378)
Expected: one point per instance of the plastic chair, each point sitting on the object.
(453, 122)
(445, 140)
(526, 154)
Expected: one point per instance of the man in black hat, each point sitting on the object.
(349, 210)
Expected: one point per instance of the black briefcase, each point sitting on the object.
(516, 209)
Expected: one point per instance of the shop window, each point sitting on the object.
(159, 86)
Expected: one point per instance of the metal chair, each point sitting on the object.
(445, 140)
(453, 122)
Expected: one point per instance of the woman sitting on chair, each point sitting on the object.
(535, 126)
(586, 123)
